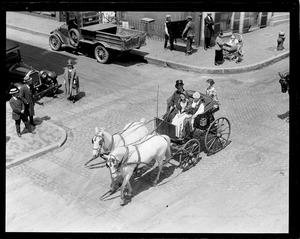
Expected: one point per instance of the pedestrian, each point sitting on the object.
(208, 30)
(173, 101)
(18, 111)
(26, 92)
(189, 34)
(71, 81)
(219, 59)
(168, 35)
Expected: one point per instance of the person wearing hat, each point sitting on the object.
(195, 108)
(189, 34)
(18, 111)
(168, 35)
(26, 93)
(211, 92)
(71, 81)
(208, 30)
(172, 101)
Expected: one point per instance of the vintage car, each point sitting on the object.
(44, 82)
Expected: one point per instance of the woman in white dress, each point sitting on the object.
(181, 114)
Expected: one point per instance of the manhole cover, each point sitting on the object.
(249, 157)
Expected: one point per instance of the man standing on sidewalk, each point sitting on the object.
(189, 34)
(168, 36)
(18, 111)
(208, 30)
(26, 92)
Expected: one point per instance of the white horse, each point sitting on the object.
(104, 142)
(124, 160)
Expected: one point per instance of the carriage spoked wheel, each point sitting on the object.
(189, 154)
(217, 135)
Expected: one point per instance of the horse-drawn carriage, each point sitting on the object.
(209, 135)
(134, 147)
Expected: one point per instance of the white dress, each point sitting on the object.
(179, 118)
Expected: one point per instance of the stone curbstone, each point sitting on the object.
(41, 151)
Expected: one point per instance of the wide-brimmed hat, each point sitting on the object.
(179, 82)
(196, 95)
(168, 16)
(210, 81)
(27, 78)
(13, 91)
(189, 17)
(70, 62)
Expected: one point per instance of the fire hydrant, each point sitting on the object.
(280, 41)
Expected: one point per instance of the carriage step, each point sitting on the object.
(174, 162)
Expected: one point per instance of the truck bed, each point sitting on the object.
(114, 37)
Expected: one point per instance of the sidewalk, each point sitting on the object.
(259, 47)
(259, 51)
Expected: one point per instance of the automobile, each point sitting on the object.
(44, 82)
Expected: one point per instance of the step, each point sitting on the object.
(276, 23)
(281, 16)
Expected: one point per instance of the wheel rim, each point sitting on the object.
(217, 135)
(74, 37)
(54, 42)
(101, 54)
(189, 153)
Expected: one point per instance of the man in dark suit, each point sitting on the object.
(26, 92)
(189, 34)
(208, 30)
(18, 111)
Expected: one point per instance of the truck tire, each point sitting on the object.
(74, 37)
(101, 54)
(54, 42)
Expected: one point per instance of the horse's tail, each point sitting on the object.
(168, 151)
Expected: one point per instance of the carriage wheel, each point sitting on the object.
(189, 153)
(217, 135)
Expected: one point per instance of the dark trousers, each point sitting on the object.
(189, 43)
(171, 40)
(207, 42)
(24, 118)
(219, 57)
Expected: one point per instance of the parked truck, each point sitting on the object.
(83, 30)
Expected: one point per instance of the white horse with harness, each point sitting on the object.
(104, 142)
(124, 160)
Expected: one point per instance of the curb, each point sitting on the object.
(175, 65)
(41, 151)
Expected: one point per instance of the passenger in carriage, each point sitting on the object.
(181, 114)
(211, 91)
(195, 108)
(172, 101)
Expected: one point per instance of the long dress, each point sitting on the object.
(179, 118)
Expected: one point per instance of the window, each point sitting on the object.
(253, 19)
(223, 21)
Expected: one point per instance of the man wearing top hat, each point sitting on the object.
(71, 81)
(208, 30)
(18, 111)
(26, 93)
(189, 34)
(172, 101)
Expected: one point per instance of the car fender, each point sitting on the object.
(60, 36)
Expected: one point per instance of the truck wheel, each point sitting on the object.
(54, 42)
(74, 36)
(101, 54)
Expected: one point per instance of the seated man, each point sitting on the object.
(195, 108)
(231, 46)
